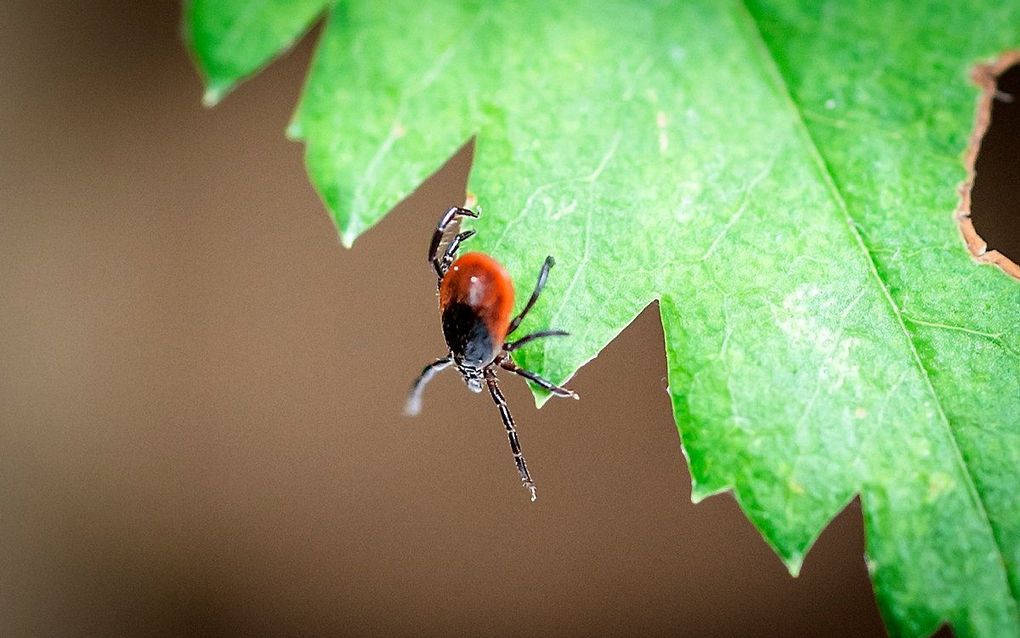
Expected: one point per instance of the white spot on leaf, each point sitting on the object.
(661, 121)
(828, 348)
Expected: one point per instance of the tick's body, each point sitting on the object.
(476, 297)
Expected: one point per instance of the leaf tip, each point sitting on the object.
(348, 227)
(214, 93)
(541, 396)
(793, 563)
(295, 132)
(700, 492)
(347, 238)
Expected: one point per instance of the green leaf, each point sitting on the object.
(781, 176)
(232, 40)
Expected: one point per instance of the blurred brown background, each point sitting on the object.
(200, 395)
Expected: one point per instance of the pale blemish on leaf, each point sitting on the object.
(939, 483)
(661, 122)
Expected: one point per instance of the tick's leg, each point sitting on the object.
(413, 405)
(542, 276)
(541, 334)
(511, 432)
(437, 236)
(508, 365)
(451, 252)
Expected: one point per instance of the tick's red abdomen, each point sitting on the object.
(476, 298)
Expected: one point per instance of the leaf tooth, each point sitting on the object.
(215, 91)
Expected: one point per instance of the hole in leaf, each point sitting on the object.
(990, 212)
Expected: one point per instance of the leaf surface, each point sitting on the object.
(232, 40)
(781, 176)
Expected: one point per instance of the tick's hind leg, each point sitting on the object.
(541, 334)
(511, 433)
(508, 365)
(437, 236)
(413, 405)
(542, 276)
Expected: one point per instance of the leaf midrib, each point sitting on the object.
(777, 78)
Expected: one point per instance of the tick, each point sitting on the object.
(476, 297)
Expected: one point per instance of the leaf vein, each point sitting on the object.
(838, 197)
